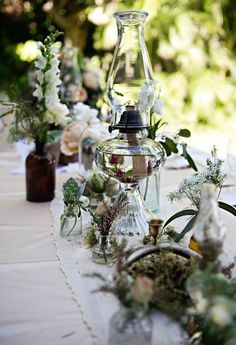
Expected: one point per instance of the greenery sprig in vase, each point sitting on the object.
(32, 121)
(74, 201)
(99, 235)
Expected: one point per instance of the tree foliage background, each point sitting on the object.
(192, 45)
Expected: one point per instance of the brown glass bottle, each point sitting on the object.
(40, 174)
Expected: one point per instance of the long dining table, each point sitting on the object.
(38, 303)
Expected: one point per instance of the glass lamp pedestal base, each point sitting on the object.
(132, 216)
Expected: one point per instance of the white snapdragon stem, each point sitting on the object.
(56, 112)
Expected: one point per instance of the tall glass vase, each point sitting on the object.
(40, 174)
(150, 191)
(70, 76)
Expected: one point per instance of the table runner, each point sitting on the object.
(36, 307)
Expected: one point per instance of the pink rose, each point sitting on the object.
(142, 290)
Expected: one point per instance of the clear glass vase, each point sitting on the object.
(103, 252)
(70, 76)
(130, 327)
(150, 191)
(71, 222)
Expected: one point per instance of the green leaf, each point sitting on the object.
(227, 207)
(154, 128)
(166, 147)
(172, 145)
(187, 212)
(169, 146)
(187, 156)
(191, 162)
(187, 228)
(184, 133)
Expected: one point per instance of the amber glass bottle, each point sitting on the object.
(40, 174)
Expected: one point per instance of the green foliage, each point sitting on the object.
(192, 46)
(171, 142)
(72, 192)
(90, 238)
(214, 299)
(190, 189)
(25, 124)
(227, 207)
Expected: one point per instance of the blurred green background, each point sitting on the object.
(192, 46)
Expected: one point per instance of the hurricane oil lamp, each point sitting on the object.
(130, 156)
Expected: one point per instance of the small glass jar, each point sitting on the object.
(95, 199)
(71, 222)
(103, 252)
(129, 326)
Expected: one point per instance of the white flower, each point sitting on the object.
(83, 111)
(55, 111)
(200, 302)
(146, 96)
(84, 200)
(158, 106)
(38, 92)
(91, 78)
(41, 62)
(39, 44)
(40, 77)
(219, 313)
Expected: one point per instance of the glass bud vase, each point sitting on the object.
(103, 252)
(71, 222)
(128, 326)
(40, 174)
(70, 76)
(150, 191)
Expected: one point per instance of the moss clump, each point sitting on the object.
(169, 272)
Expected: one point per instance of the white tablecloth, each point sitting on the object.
(37, 307)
